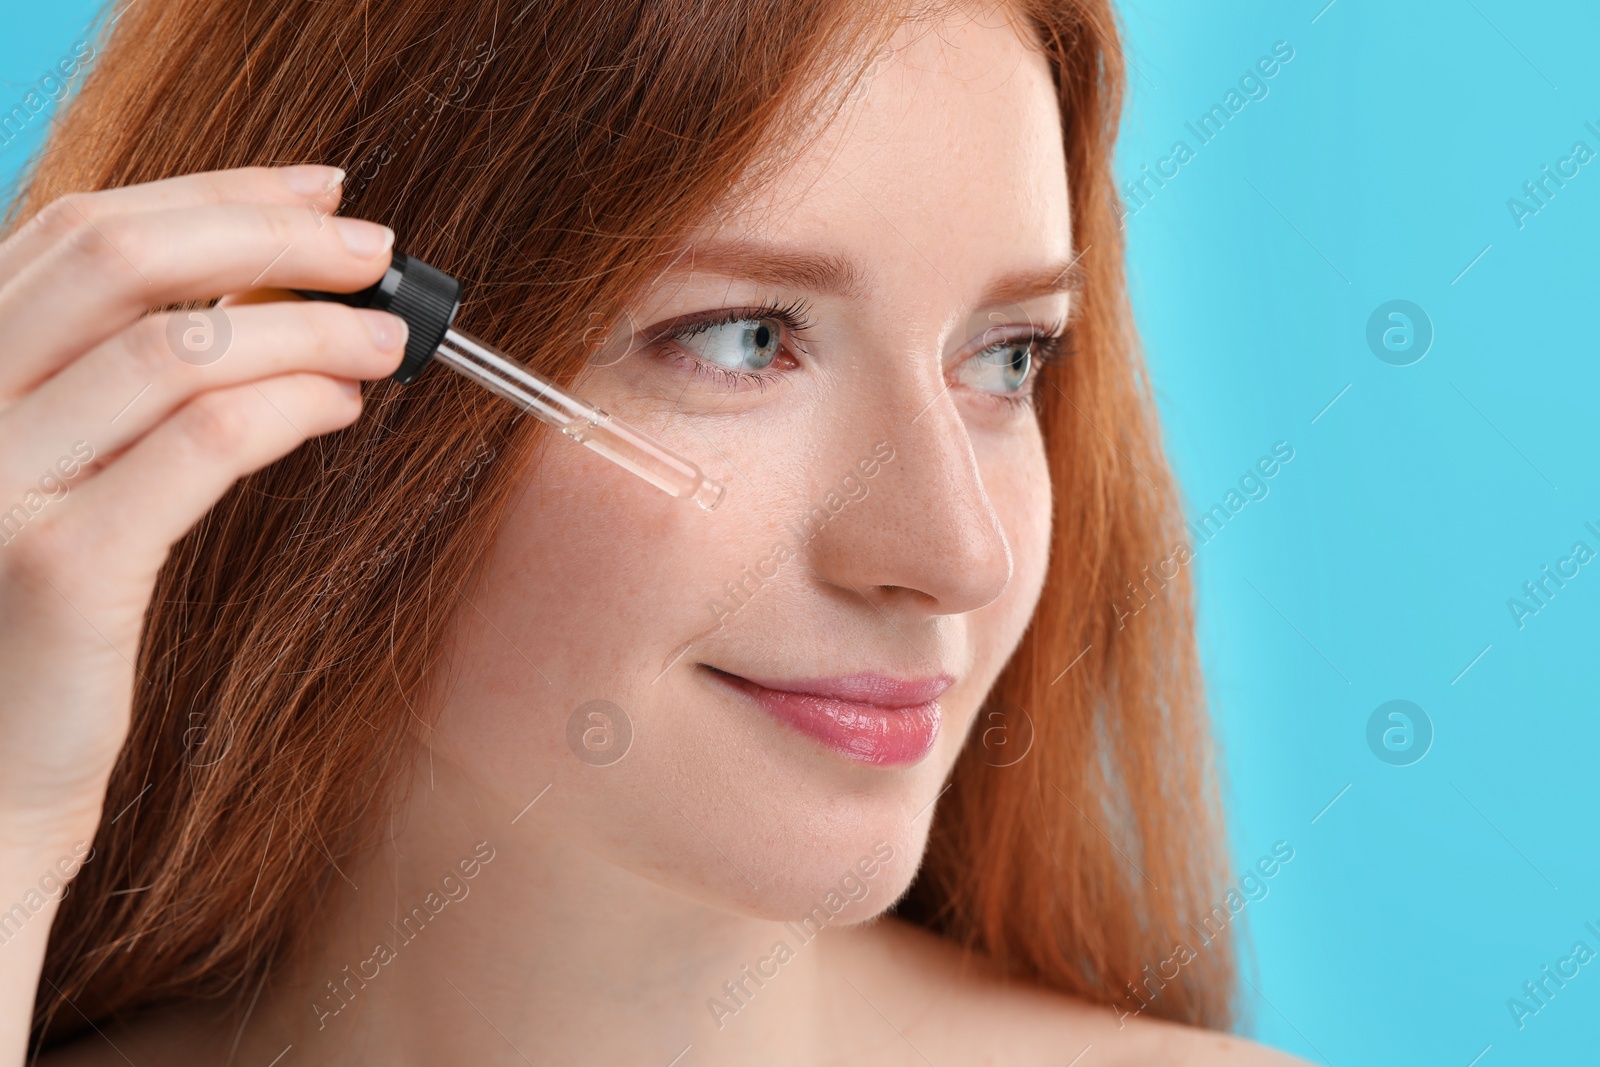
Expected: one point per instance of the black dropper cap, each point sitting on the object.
(426, 297)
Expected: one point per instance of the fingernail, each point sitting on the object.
(351, 388)
(312, 179)
(364, 239)
(388, 330)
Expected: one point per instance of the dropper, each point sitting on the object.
(427, 298)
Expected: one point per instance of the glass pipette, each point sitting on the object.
(427, 299)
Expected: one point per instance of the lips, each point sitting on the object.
(869, 718)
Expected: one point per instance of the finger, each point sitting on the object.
(127, 385)
(311, 185)
(104, 541)
(101, 278)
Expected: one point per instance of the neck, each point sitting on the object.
(476, 934)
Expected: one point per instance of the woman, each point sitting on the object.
(374, 726)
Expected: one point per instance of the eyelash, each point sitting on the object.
(1049, 345)
(795, 316)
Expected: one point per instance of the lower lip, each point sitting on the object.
(866, 733)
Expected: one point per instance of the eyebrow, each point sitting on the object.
(835, 275)
(817, 272)
(1064, 276)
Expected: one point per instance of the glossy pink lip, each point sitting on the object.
(870, 718)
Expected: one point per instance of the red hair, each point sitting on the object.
(564, 150)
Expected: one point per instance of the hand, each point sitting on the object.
(119, 429)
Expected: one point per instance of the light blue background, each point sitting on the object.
(1379, 566)
(36, 38)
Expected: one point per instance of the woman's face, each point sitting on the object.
(788, 679)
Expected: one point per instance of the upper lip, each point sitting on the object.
(875, 690)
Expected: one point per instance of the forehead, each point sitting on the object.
(944, 164)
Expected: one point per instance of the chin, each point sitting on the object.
(731, 789)
(756, 776)
(740, 803)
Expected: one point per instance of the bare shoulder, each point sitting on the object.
(928, 989)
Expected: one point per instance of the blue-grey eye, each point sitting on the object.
(1000, 368)
(740, 345)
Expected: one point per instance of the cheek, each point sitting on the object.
(594, 581)
(586, 590)
(595, 584)
(581, 558)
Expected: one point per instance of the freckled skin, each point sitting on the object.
(624, 900)
(946, 172)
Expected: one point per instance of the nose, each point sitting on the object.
(925, 533)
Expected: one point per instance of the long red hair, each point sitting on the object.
(554, 155)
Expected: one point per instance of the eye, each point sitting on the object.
(1009, 363)
(1001, 368)
(743, 345)
(736, 347)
